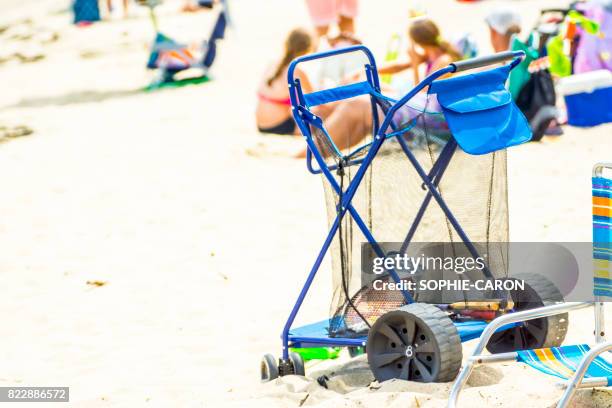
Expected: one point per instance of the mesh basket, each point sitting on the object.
(389, 197)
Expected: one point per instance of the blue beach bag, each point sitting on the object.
(480, 111)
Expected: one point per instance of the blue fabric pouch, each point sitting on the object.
(480, 111)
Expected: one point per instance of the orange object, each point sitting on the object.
(602, 211)
(570, 32)
(602, 201)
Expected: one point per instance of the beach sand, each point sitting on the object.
(149, 258)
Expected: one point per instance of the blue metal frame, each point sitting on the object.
(313, 335)
(302, 115)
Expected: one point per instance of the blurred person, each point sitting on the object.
(350, 121)
(324, 13)
(426, 47)
(273, 111)
(191, 6)
(503, 24)
(109, 6)
(347, 122)
(530, 83)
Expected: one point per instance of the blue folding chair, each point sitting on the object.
(580, 365)
(170, 57)
(415, 340)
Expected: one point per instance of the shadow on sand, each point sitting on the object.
(75, 98)
(99, 96)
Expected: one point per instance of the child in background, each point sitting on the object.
(433, 51)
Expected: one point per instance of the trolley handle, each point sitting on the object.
(327, 54)
(480, 62)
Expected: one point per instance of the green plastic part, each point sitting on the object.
(588, 25)
(520, 75)
(317, 353)
(560, 64)
(178, 83)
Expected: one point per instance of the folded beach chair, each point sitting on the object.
(447, 150)
(170, 57)
(580, 365)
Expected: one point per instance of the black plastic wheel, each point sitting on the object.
(537, 333)
(269, 368)
(417, 342)
(356, 351)
(298, 363)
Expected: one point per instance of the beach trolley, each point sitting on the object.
(580, 365)
(443, 142)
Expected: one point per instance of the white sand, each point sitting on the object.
(201, 246)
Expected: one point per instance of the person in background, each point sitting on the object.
(109, 6)
(503, 24)
(324, 13)
(273, 111)
(350, 121)
(191, 6)
(530, 83)
(427, 47)
(347, 122)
